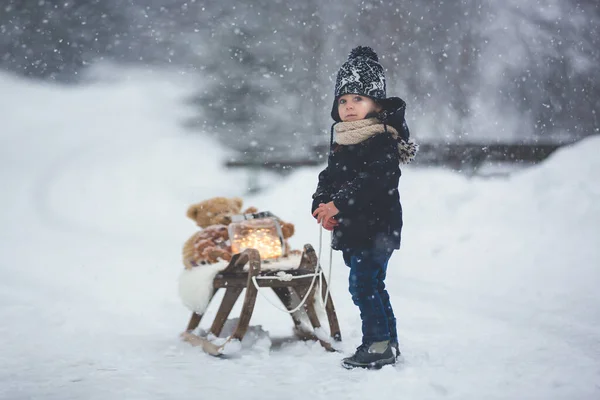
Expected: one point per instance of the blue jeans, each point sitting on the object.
(367, 274)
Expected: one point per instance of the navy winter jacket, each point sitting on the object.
(362, 181)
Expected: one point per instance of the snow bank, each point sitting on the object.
(495, 288)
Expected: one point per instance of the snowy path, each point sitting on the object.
(495, 288)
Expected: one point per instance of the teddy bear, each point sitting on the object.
(207, 246)
(217, 211)
(211, 243)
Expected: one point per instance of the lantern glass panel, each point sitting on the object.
(262, 234)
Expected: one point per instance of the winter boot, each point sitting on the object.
(373, 356)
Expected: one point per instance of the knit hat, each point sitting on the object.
(360, 74)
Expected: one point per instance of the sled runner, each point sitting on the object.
(301, 285)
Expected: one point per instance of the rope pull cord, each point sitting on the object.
(318, 273)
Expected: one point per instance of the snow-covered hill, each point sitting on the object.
(495, 288)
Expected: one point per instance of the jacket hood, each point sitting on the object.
(393, 112)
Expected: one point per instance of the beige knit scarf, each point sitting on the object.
(354, 132)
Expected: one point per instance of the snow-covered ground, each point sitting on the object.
(495, 288)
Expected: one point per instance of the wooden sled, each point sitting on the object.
(234, 280)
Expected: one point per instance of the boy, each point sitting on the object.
(357, 196)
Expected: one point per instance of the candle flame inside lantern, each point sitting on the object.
(263, 235)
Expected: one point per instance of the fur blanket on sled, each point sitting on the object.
(196, 284)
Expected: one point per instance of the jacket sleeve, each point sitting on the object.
(379, 169)
(323, 192)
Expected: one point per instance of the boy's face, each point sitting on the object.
(353, 107)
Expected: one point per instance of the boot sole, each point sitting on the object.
(372, 365)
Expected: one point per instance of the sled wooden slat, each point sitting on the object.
(331, 315)
(235, 280)
(194, 322)
(231, 296)
(241, 282)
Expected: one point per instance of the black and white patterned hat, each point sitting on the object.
(361, 74)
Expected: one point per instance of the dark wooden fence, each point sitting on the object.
(472, 159)
(455, 156)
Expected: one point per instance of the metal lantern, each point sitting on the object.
(260, 231)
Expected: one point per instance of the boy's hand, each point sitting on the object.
(325, 212)
(330, 224)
